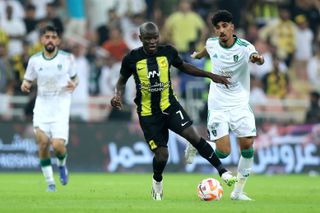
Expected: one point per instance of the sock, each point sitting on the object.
(244, 169)
(47, 170)
(158, 168)
(62, 158)
(206, 151)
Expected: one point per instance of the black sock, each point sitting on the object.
(206, 151)
(158, 168)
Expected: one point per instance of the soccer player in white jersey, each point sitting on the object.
(228, 108)
(55, 76)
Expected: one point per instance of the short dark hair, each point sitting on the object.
(148, 27)
(50, 28)
(221, 15)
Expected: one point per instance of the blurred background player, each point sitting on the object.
(228, 108)
(55, 76)
(157, 106)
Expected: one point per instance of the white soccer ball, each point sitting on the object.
(210, 189)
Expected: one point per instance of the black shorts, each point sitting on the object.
(155, 127)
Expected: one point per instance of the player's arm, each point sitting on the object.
(73, 83)
(201, 54)
(29, 77)
(119, 91)
(192, 70)
(256, 58)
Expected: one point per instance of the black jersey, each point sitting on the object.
(152, 77)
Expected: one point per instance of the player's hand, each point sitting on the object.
(194, 55)
(71, 86)
(220, 79)
(255, 58)
(116, 102)
(25, 86)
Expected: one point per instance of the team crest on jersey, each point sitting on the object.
(59, 66)
(235, 58)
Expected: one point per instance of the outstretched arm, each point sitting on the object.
(119, 90)
(199, 55)
(256, 58)
(192, 70)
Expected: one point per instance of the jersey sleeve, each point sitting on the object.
(125, 67)
(30, 74)
(209, 46)
(176, 60)
(250, 49)
(72, 69)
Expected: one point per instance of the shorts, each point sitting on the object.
(156, 127)
(239, 120)
(58, 130)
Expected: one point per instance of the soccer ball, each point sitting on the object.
(210, 189)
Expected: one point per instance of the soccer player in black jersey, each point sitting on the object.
(157, 106)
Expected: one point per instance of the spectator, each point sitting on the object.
(116, 45)
(80, 96)
(16, 31)
(103, 31)
(281, 33)
(30, 20)
(313, 68)
(276, 83)
(303, 53)
(184, 29)
(76, 25)
(313, 113)
(52, 17)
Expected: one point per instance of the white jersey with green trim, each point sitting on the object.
(52, 76)
(232, 61)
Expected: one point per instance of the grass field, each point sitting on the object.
(90, 192)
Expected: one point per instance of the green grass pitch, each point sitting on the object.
(102, 192)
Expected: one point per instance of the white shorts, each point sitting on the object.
(58, 130)
(239, 120)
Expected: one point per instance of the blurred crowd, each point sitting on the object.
(100, 32)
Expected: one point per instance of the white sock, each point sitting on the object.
(48, 174)
(244, 170)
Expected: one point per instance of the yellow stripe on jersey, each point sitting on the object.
(142, 72)
(163, 66)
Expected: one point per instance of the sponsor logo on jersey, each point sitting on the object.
(59, 66)
(153, 73)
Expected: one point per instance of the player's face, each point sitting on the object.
(224, 30)
(150, 42)
(50, 41)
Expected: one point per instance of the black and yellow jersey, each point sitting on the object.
(152, 77)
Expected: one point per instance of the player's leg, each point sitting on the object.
(156, 135)
(180, 123)
(245, 129)
(44, 156)
(218, 133)
(244, 168)
(60, 134)
(60, 151)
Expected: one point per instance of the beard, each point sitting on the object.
(50, 48)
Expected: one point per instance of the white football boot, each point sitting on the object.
(190, 153)
(157, 190)
(240, 196)
(228, 178)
